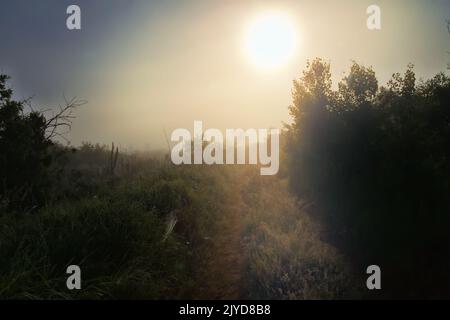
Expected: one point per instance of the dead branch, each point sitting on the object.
(62, 119)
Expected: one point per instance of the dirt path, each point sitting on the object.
(224, 263)
(267, 247)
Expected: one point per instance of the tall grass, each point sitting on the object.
(157, 231)
(117, 234)
(286, 258)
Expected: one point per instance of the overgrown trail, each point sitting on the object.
(221, 277)
(267, 247)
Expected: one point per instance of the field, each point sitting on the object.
(158, 231)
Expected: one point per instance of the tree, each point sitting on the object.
(375, 162)
(358, 88)
(25, 141)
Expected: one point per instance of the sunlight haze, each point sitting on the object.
(145, 67)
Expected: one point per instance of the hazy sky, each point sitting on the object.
(148, 65)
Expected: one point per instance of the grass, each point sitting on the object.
(286, 259)
(237, 235)
(118, 245)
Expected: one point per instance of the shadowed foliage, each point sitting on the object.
(375, 163)
(24, 156)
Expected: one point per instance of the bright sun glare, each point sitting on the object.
(270, 40)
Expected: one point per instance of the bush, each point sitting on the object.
(24, 156)
(29, 159)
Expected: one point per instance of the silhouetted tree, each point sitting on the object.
(25, 149)
(375, 161)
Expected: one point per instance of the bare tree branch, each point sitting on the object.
(62, 119)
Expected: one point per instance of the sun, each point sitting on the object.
(270, 40)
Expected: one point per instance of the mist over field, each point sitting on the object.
(338, 174)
